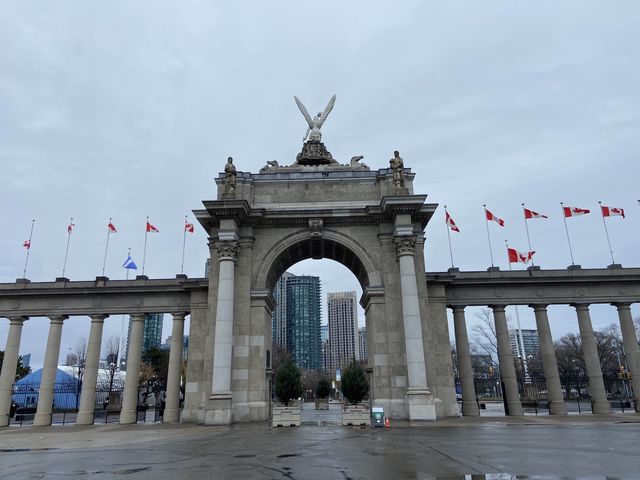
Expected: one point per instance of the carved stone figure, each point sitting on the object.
(230, 176)
(315, 124)
(397, 165)
(354, 163)
(271, 164)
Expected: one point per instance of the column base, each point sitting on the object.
(557, 407)
(171, 415)
(600, 407)
(515, 408)
(85, 418)
(4, 419)
(470, 409)
(42, 420)
(218, 410)
(128, 417)
(420, 405)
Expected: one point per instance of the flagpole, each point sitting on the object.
(24, 273)
(448, 235)
(104, 263)
(488, 234)
(521, 346)
(564, 217)
(606, 231)
(526, 226)
(144, 254)
(184, 242)
(121, 346)
(66, 253)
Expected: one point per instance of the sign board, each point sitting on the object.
(338, 374)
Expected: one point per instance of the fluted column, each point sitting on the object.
(90, 377)
(599, 402)
(172, 406)
(469, 403)
(419, 398)
(9, 365)
(505, 358)
(49, 372)
(630, 348)
(129, 412)
(549, 362)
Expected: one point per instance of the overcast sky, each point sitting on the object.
(129, 109)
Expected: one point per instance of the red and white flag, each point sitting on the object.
(152, 228)
(575, 211)
(71, 227)
(188, 227)
(27, 244)
(112, 228)
(531, 214)
(519, 257)
(491, 216)
(611, 211)
(452, 225)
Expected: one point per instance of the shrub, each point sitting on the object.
(287, 385)
(354, 384)
(324, 388)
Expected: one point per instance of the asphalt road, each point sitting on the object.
(486, 449)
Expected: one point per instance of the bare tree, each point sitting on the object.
(484, 335)
(112, 351)
(80, 358)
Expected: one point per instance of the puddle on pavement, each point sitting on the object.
(288, 455)
(14, 450)
(244, 456)
(509, 476)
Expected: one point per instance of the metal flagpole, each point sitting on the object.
(606, 231)
(121, 346)
(488, 235)
(526, 226)
(564, 217)
(66, 253)
(521, 346)
(144, 254)
(24, 273)
(184, 242)
(104, 263)
(448, 234)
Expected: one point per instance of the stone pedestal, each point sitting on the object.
(314, 153)
(421, 405)
(218, 410)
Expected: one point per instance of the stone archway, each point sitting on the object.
(278, 217)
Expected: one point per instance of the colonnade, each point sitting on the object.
(557, 406)
(87, 402)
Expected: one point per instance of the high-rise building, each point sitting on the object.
(152, 336)
(296, 319)
(343, 328)
(362, 344)
(530, 339)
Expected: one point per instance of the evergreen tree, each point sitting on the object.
(324, 388)
(355, 386)
(287, 384)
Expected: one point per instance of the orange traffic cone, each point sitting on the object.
(387, 423)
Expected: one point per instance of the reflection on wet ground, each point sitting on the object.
(508, 476)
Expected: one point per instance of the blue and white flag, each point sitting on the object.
(129, 263)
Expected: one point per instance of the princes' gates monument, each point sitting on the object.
(260, 224)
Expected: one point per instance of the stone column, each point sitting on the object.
(599, 402)
(129, 412)
(549, 362)
(220, 398)
(49, 372)
(469, 403)
(505, 358)
(9, 365)
(172, 406)
(630, 348)
(90, 377)
(420, 401)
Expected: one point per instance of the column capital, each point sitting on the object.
(539, 307)
(179, 315)
(137, 317)
(498, 308)
(58, 318)
(17, 320)
(98, 318)
(622, 306)
(457, 308)
(227, 250)
(405, 245)
(580, 307)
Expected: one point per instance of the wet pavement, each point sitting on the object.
(540, 448)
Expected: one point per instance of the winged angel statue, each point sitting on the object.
(315, 124)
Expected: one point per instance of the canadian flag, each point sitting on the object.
(112, 228)
(27, 244)
(188, 227)
(71, 227)
(452, 225)
(152, 228)
(610, 211)
(574, 211)
(519, 257)
(491, 216)
(531, 214)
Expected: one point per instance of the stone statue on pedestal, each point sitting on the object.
(230, 176)
(315, 124)
(397, 166)
(313, 150)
